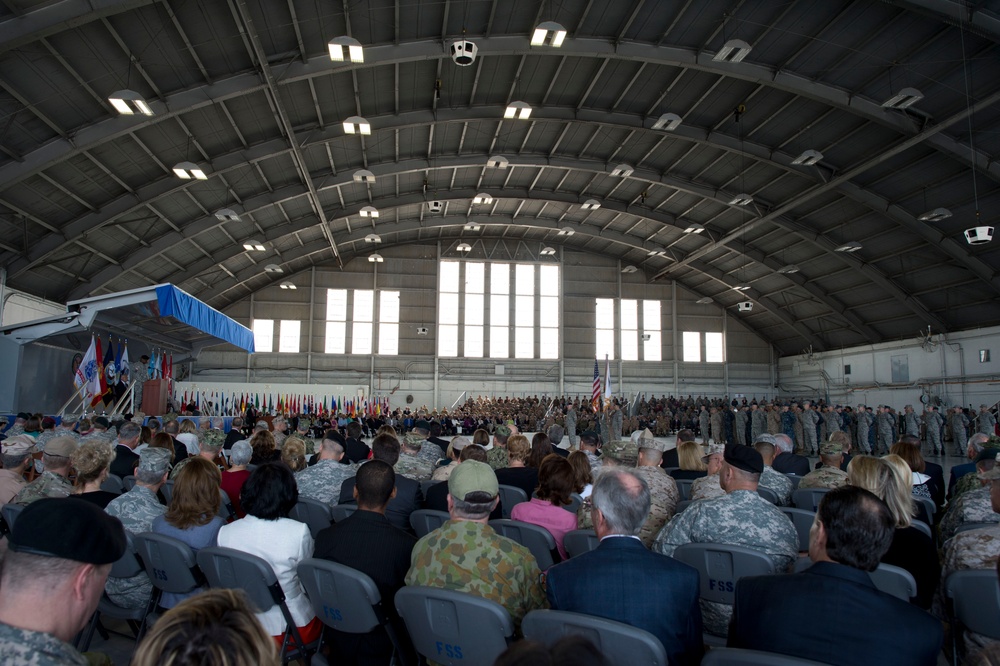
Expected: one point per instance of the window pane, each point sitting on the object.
(263, 335)
(474, 341)
(630, 345)
(630, 314)
(548, 343)
(605, 343)
(388, 307)
(448, 340)
(499, 342)
(499, 278)
(499, 310)
(692, 347)
(549, 281)
(449, 276)
(651, 316)
(548, 314)
(364, 304)
(474, 309)
(448, 309)
(336, 305)
(525, 285)
(288, 340)
(524, 342)
(388, 339)
(652, 348)
(361, 338)
(713, 348)
(335, 333)
(524, 311)
(475, 274)
(605, 313)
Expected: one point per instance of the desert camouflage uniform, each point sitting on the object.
(497, 457)
(21, 647)
(779, 483)
(412, 467)
(932, 426)
(716, 423)
(741, 518)
(959, 422)
(49, 484)
(322, 481)
(663, 495)
(773, 420)
(972, 507)
(973, 549)
(824, 477)
(707, 487)
(741, 426)
(865, 419)
(470, 557)
(809, 418)
(136, 509)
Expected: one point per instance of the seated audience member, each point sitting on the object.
(188, 435)
(774, 481)
(540, 447)
(623, 581)
(787, 461)
(267, 532)
(974, 447)
(853, 529)
(467, 555)
(710, 485)
(690, 457)
(162, 440)
(213, 628)
(411, 463)
(54, 480)
(973, 506)
(355, 449)
(671, 457)
(829, 474)
(209, 449)
(663, 491)
(584, 480)
(556, 433)
(137, 509)
(126, 458)
(192, 514)
(235, 433)
(437, 494)
(237, 474)
(173, 428)
(17, 457)
(590, 444)
(924, 485)
(52, 576)
(567, 651)
(92, 461)
(368, 542)
(741, 517)
(408, 497)
(545, 508)
(911, 548)
(517, 473)
(264, 450)
(844, 440)
(454, 452)
(293, 453)
(322, 481)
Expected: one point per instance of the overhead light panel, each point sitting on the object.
(253, 246)
(373, 238)
(472, 226)
(548, 33)
(227, 215)
(742, 199)
(364, 176)
(375, 258)
(357, 125)
(935, 215)
(343, 49)
(287, 285)
(629, 269)
(567, 231)
(741, 287)
(808, 158)
(694, 228)
(273, 268)
(978, 235)
(788, 269)
(189, 170)
(622, 170)
(704, 300)
(497, 162)
(849, 246)
(464, 247)
(668, 122)
(735, 50)
(904, 99)
(519, 110)
(482, 198)
(369, 211)
(547, 251)
(590, 204)
(656, 251)
(129, 103)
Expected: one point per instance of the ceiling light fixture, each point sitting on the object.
(364, 176)
(935, 215)
(622, 170)
(656, 251)
(463, 52)
(472, 226)
(742, 199)
(745, 306)
(978, 235)
(482, 198)
(694, 228)
(227, 215)
(735, 50)
(904, 99)
(789, 269)
(629, 269)
(705, 300)
(808, 158)
(253, 246)
(567, 231)
(741, 287)
(849, 246)
(548, 33)
(287, 285)
(590, 204)
(129, 103)
(547, 251)
(519, 110)
(273, 268)
(464, 247)
(357, 125)
(346, 48)
(369, 211)
(373, 238)
(498, 162)
(375, 258)
(668, 122)
(189, 170)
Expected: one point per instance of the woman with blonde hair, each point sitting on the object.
(689, 457)
(517, 473)
(293, 453)
(889, 479)
(92, 462)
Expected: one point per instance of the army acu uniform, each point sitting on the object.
(987, 422)
(911, 423)
(715, 421)
(571, 427)
(972, 507)
(864, 425)
(779, 483)
(773, 420)
(136, 509)
(704, 421)
(741, 518)
(809, 419)
(49, 484)
(932, 425)
(412, 467)
(322, 481)
(959, 423)
(616, 424)
(758, 423)
(21, 647)
(741, 426)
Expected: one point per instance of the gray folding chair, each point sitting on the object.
(10, 513)
(683, 504)
(169, 563)
(425, 521)
(802, 520)
(894, 580)
(425, 485)
(317, 515)
(578, 542)
(226, 509)
(167, 489)
(795, 479)
(575, 501)
(345, 599)
(233, 569)
(535, 538)
(127, 566)
(808, 498)
(340, 512)
(684, 487)
(622, 644)
(768, 494)
(721, 656)
(113, 484)
(973, 600)
(925, 509)
(454, 628)
(128, 482)
(923, 527)
(511, 496)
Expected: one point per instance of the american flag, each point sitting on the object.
(596, 398)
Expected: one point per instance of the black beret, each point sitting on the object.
(745, 458)
(103, 421)
(70, 529)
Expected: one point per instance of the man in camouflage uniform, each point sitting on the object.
(211, 445)
(809, 419)
(17, 458)
(497, 456)
(829, 474)
(773, 419)
(430, 453)
(959, 433)
(742, 417)
(280, 431)
(323, 480)
(617, 419)
(932, 426)
(864, 425)
(987, 422)
(740, 518)
(137, 509)
(911, 422)
(54, 481)
(710, 485)
(589, 442)
(704, 424)
(973, 506)
(663, 492)
(715, 420)
(758, 422)
(771, 479)
(410, 464)
(18, 427)
(467, 555)
(886, 424)
(570, 422)
(64, 429)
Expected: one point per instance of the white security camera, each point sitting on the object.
(435, 206)
(422, 330)
(745, 306)
(463, 52)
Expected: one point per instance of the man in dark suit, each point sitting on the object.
(788, 462)
(852, 531)
(368, 542)
(670, 456)
(125, 457)
(408, 496)
(357, 451)
(623, 581)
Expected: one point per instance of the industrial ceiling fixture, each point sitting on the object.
(849, 246)
(808, 158)
(548, 33)
(735, 50)
(357, 125)
(364, 176)
(227, 215)
(547, 251)
(482, 198)
(622, 170)
(935, 215)
(694, 228)
(590, 204)
(188, 171)
(567, 231)
(741, 287)
(977, 234)
(343, 49)
(788, 269)
(745, 306)
(373, 238)
(375, 258)
(472, 226)
(369, 211)
(903, 99)
(253, 246)
(518, 110)
(498, 162)
(656, 251)
(273, 268)
(704, 300)
(129, 102)
(463, 52)
(287, 285)
(464, 247)
(629, 269)
(668, 122)
(742, 199)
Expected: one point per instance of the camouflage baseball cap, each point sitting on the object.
(68, 419)
(645, 440)
(624, 451)
(155, 460)
(501, 431)
(262, 425)
(712, 449)
(766, 437)
(472, 476)
(414, 440)
(18, 445)
(831, 448)
(991, 474)
(60, 446)
(213, 439)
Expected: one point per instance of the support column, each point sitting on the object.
(676, 333)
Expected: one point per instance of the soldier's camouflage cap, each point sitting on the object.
(472, 476)
(831, 448)
(624, 451)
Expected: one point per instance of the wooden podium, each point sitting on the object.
(154, 397)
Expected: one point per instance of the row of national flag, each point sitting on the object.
(102, 374)
(220, 403)
(595, 399)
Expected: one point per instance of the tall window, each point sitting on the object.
(263, 335)
(548, 312)
(362, 321)
(288, 336)
(605, 323)
(361, 332)
(336, 321)
(448, 309)
(714, 352)
(692, 347)
(652, 347)
(475, 284)
(524, 311)
(630, 329)
(499, 310)
(388, 323)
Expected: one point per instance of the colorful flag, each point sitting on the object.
(595, 399)
(88, 369)
(124, 371)
(110, 369)
(607, 377)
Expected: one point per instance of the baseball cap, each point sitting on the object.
(744, 458)
(60, 446)
(500, 431)
(154, 460)
(414, 441)
(70, 529)
(712, 449)
(459, 443)
(831, 448)
(624, 451)
(472, 476)
(18, 445)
